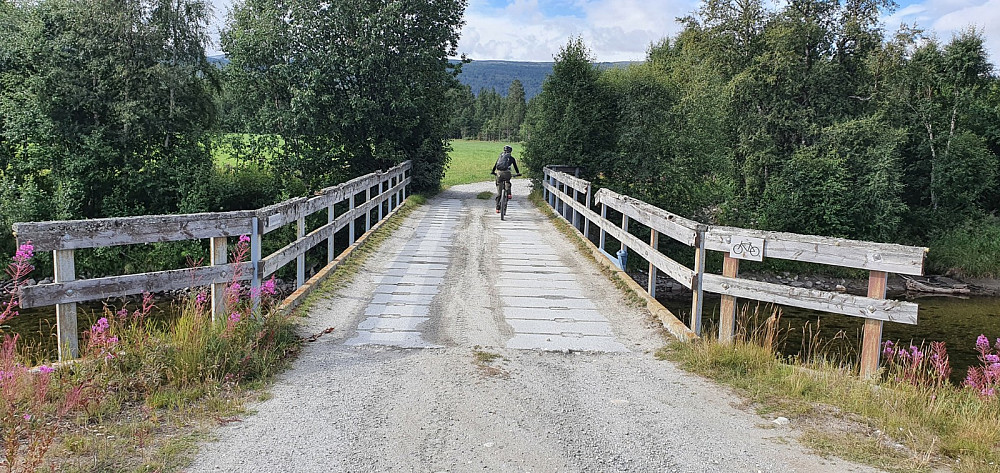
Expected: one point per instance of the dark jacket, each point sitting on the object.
(513, 162)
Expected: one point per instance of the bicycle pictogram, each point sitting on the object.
(746, 248)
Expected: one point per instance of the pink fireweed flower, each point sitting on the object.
(101, 326)
(45, 369)
(244, 239)
(27, 417)
(200, 298)
(982, 343)
(991, 358)
(24, 252)
(235, 317)
(269, 287)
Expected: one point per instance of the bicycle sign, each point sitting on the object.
(747, 248)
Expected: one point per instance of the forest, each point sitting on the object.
(111, 108)
(803, 118)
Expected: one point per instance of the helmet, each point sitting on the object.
(507, 149)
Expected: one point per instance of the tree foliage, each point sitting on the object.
(795, 117)
(349, 87)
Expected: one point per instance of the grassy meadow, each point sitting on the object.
(471, 161)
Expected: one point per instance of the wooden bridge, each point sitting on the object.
(602, 217)
(471, 343)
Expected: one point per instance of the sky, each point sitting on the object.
(622, 30)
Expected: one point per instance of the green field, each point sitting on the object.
(471, 161)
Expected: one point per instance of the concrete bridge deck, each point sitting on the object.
(474, 344)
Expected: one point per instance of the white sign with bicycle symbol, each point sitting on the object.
(747, 248)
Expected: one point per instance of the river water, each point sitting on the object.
(955, 321)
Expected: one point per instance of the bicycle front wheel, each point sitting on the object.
(503, 205)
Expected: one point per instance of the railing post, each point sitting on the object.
(381, 199)
(255, 252)
(698, 297)
(604, 234)
(331, 215)
(654, 242)
(576, 215)
(624, 249)
(218, 257)
(586, 221)
(727, 307)
(368, 214)
(871, 344)
(545, 180)
(350, 226)
(66, 328)
(300, 260)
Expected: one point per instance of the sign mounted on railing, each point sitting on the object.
(747, 248)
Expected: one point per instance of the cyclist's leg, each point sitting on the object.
(499, 189)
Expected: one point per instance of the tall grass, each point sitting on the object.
(909, 419)
(130, 400)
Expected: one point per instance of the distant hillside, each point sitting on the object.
(498, 75)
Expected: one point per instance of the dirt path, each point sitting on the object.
(474, 298)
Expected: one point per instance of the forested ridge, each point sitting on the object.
(801, 119)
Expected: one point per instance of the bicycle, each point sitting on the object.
(504, 194)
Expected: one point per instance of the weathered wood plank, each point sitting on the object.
(871, 341)
(834, 302)
(675, 270)
(102, 232)
(67, 335)
(825, 250)
(285, 255)
(727, 307)
(119, 286)
(570, 180)
(674, 226)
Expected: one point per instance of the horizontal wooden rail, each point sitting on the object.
(83, 290)
(666, 223)
(740, 243)
(104, 232)
(823, 301)
(377, 190)
(886, 257)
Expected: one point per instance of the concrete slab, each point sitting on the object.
(528, 313)
(401, 289)
(395, 339)
(400, 310)
(541, 291)
(438, 273)
(513, 283)
(563, 327)
(392, 324)
(527, 278)
(415, 299)
(410, 280)
(561, 343)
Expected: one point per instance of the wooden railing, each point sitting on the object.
(563, 192)
(373, 196)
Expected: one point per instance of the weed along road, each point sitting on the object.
(473, 344)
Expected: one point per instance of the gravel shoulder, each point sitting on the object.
(475, 405)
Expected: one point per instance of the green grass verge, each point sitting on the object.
(471, 161)
(971, 250)
(893, 426)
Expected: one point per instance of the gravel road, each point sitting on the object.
(467, 400)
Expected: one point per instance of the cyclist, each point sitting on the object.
(502, 171)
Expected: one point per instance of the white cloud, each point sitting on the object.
(949, 17)
(614, 30)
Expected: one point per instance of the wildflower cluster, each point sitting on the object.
(100, 342)
(17, 270)
(985, 379)
(916, 365)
